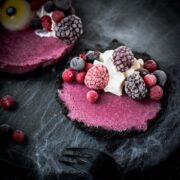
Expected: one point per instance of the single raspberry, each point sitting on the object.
(97, 77)
(80, 77)
(150, 65)
(88, 66)
(156, 93)
(7, 102)
(68, 75)
(123, 58)
(92, 96)
(69, 29)
(150, 80)
(57, 16)
(135, 86)
(161, 77)
(77, 64)
(46, 22)
(18, 136)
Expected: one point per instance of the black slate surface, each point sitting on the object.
(143, 25)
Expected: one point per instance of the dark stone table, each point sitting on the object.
(150, 26)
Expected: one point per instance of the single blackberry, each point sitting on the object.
(69, 29)
(135, 86)
(123, 58)
(49, 6)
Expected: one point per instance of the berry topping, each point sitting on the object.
(123, 58)
(68, 75)
(83, 56)
(88, 66)
(36, 23)
(135, 86)
(35, 5)
(46, 22)
(92, 96)
(80, 77)
(143, 72)
(63, 4)
(161, 77)
(49, 6)
(97, 77)
(150, 65)
(69, 29)
(77, 64)
(7, 102)
(92, 55)
(156, 93)
(18, 136)
(150, 80)
(57, 16)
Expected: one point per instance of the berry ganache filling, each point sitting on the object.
(112, 91)
(36, 33)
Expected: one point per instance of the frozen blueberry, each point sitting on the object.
(77, 64)
(63, 4)
(143, 72)
(161, 77)
(49, 6)
(92, 55)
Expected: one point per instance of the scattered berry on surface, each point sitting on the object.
(92, 96)
(18, 136)
(57, 16)
(150, 65)
(77, 64)
(156, 92)
(161, 77)
(150, 80)
(7, 102)
(68, 75)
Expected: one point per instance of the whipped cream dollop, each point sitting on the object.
(40, 32)
(116, 79)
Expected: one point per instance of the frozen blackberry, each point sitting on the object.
(49, 6)
(123, 58)
(135, 86)
(69, 29)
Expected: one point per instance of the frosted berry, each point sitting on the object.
(161, 77)
(57, 16)
(49, 6)
(150, 80)
(156, 93)
(68, 75)
(77, 64)
(69, 29)
(63, 4)
(7, 102)
(80, 77)
(135, 86)
(123, 58)
(92, 96)
(97, 77)
(150, 65)
(143, 72)
(92, 55)
(46, 22)
(18, 136)
(88, 66)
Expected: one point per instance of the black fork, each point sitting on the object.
(90, 161)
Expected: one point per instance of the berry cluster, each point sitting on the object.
(66, 26)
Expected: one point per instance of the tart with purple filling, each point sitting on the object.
(36, 33)
(113, 92)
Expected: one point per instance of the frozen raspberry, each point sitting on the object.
(161, 77)
(88, 66)
(156, 93)
(150, 80)
(46, 23)
(150, 65)
(77, 64)
(57, 16)
(135, 86)
(68, 75)
(18, 136)
(97, 77)
(69, 29)
(7, 102)
(80, 77)
(92, 96)
(123, 58)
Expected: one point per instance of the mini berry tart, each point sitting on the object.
(121, 93)
(36, 33)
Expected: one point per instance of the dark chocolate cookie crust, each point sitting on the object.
(109, 134)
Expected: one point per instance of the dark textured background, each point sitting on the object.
(143, 25)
